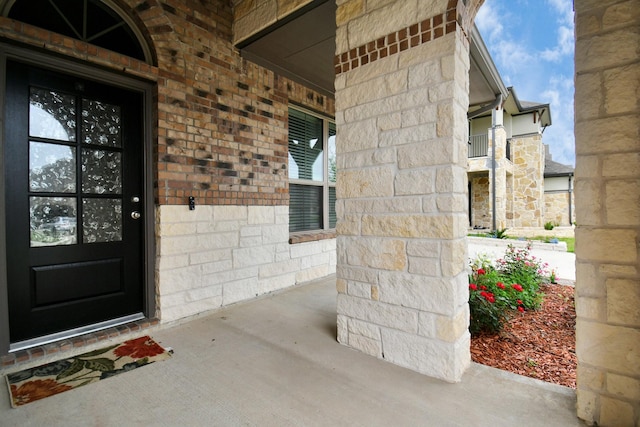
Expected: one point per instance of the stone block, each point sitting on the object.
(209, 256)
(622, 89)
(590, 378)
(587, 405)
(415, 182)
(228, 213)
(314, 273)
(615, 412)
(171, 262)
(451, 329)
(621, 134)
(623, 300)
(432, 294)
(431, 357)
(588, 202)
(286, 7)
(276, 283)
(341, 286)
(177, 229)
(380, 22)
(179, 279)
(240, 290)
(275, 234)
(217, 241)
(364, 329)
(606, 49)
(428, 325)
(424, 266)
(591, 308)
(357, 136)
(614, 270)
(390, 121)
(453, 257)
(307, 249)
(366, 345)
(278, 268)
(390, 205)
(408, 135)
(364, 275)
(614, 348)
(367, 158)
(621, 165)
(621, 14)
(260, 215)
(343, 329)
(211, 268)
(589, 96)
(625, 387)
(414, 226)
(386, 315)
(253, 256)
(262, 16)
(451, 179)
(365, 93)
(349, 225)
(606, 245)
(623, 202)
(349, 10)
(424, 248)
(357, 289)
(384, 254)
(372, 182)
(419, 116)
(429, 153)
(424, 74)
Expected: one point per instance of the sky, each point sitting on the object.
(532, 45)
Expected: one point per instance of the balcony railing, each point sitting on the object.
(478, 145)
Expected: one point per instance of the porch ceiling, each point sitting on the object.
(303, 48)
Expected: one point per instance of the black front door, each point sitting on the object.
(73, 174)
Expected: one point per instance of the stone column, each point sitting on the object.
(401, 102)
(500, 145)
(608, 211)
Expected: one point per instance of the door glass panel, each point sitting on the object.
(52, 168)
(101, 172)
(100, 123)
(101, 220)
(52, 115)
(53, 221)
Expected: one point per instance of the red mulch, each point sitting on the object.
(539, 344)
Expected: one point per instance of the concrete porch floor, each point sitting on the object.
(275, 361)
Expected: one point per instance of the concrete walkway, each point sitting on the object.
(275, 361)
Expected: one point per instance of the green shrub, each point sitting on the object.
(498, 234)
(549, 225)
(498, 292)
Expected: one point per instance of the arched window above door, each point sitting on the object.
(99, 22)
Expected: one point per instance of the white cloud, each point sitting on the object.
(489, 22)
(564, 8)
(564, 46)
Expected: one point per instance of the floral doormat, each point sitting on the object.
(47, 380)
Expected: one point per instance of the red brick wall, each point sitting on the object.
(221, 121)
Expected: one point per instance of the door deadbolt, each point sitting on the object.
(135, 215)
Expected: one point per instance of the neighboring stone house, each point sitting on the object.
(559, 206)
(160, 184)
(517, 126)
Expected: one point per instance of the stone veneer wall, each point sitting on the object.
(556, 208)
(608, 211)
(480, 201)
(218, 255)
(528, 182)
(401, 101)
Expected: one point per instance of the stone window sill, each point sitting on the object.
(311, 236)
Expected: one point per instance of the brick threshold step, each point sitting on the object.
(71, 346)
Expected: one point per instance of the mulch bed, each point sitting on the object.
(538, 344)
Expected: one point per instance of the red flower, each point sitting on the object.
(519, 302)
(521, 309)
(481, 272)
(483, 287)
(500, 285)
(139, 348)
(473, 286)
(517, 287)
(36, 389)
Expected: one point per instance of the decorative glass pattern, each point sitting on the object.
(101, 172)
(101, 220)
(52, 115)
(101, 123)
(53, 221)
(52, 168)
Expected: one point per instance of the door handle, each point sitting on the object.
(135, 215)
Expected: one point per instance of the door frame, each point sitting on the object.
(84, 70)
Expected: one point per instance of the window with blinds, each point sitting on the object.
(312, 172)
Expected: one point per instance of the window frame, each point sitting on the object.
(326, 183)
